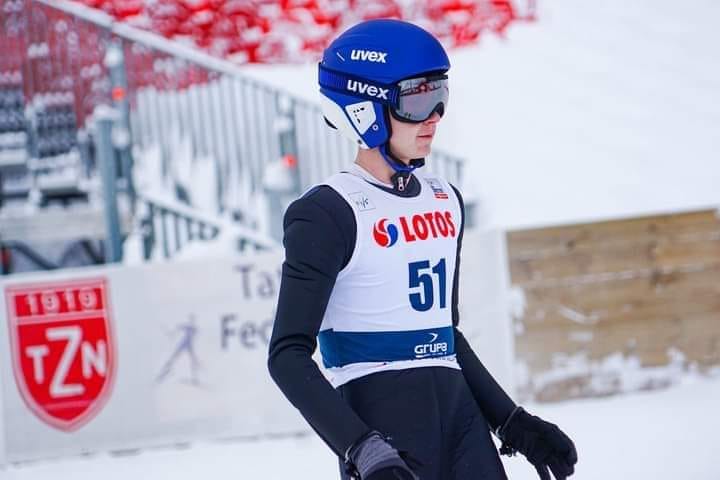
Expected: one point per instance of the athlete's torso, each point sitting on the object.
(391, 306)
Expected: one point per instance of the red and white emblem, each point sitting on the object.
(63, 349)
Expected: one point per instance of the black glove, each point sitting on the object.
(373, 458)
(543, 444)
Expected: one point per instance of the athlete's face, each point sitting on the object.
(412, 140)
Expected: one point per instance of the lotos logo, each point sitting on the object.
(385, 236)
(367, 89)
(368, 55)
(62, 349)
(423, 226)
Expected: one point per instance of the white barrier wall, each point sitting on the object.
(184, 357)
(485, 317)
(126, 357)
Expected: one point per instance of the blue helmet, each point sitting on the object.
(360, 75)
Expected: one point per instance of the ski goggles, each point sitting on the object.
(413, 100)
(420, 97)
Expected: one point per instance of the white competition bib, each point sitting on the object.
(391, 307)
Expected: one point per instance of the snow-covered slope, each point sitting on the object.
(601, 109)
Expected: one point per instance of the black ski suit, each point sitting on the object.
(440, 417)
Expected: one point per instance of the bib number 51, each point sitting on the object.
(422, 284)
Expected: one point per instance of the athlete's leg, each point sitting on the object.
(474, 455)
(402, 405)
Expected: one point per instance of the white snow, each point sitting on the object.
(617, 372)
(601, 109)
(660, 435)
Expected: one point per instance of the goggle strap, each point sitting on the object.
(395, 165)
(339, 82)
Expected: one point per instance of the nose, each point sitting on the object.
(433, 119)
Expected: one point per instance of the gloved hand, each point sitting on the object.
(373, 458)
(542, 443)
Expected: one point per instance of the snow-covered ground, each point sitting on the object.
(660, 435)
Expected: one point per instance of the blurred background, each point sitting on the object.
(148, 149)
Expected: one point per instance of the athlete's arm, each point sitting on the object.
(544, 445)
(495, 404)
(319, 240)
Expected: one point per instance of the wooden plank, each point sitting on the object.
(591, 301)
(641, 288)
(614, 257)
(563, 239)
(696, 336)
(564, 317)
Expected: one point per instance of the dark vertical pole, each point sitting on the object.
(103, 118)
(176, 232)
(115, 63)
(165, 241)
(148, 232)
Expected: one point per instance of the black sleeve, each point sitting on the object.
(319, 239)
(495, 404)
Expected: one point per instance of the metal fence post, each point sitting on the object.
(103, 119)
(287, 136)
(281, 178)
(278, 186)
(122, 134)
(147, 228)
(4, 270)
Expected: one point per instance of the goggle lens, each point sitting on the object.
(420, 97)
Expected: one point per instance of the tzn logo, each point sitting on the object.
(368, 56)
(93, 360)
(63, 348)
(365, 88)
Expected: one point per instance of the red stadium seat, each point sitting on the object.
(293, 30)
(124, 9)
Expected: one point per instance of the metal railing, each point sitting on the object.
(237, 121)
(12, 250)
(175, 92)
(171, 227)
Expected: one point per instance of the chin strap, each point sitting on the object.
(402, 171)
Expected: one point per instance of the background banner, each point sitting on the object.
(124, 357)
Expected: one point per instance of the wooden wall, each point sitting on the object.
(616, 305)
